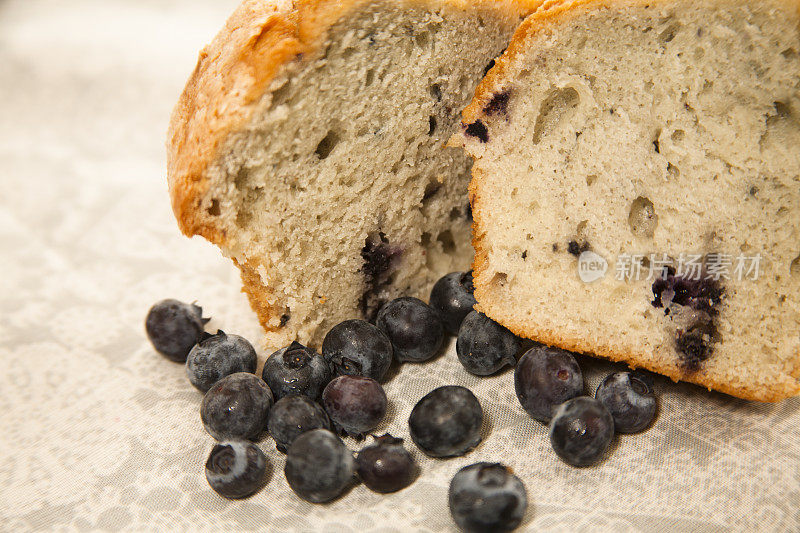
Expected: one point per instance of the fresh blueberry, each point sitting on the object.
(484, 346)
(292, 416)
(174, 327)
(356, 347)
(235, 469)
(386, 466)
(446, 422)
(319, 467)
(236, 407)
(413, 327)
(217, 356)
(544, 379)
(452, 297)
(296, 369)
(355, 404)
(487, 497)
(629, 398)
(581, 431)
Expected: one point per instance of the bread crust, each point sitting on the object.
(232, 74)
(552, 12)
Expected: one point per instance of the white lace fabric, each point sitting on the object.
(98, 432)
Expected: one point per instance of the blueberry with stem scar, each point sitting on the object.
(217, 356)
(235, 469)
(386, 466)
(296, 369)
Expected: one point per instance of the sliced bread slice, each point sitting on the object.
(308, 145)
(636, 187)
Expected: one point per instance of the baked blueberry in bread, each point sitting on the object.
(636, 187)
(308, 145)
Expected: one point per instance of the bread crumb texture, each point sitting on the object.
(320, 131)
(653, 131)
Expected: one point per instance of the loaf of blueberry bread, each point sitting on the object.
(308, 145)
(636, 187)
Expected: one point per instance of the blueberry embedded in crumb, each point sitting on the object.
(576, 249)
(478, 129)
(379, 257)
(694, 348)
(702, 294)
(498, 104)
(284, 319)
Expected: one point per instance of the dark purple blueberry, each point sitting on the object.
(446, 422)
(236, 407)
(235, 469)
(296, 369)
(544, 379)
(319, 467)
(487, 497)
(484, 346)
(217, 356)
(452, 297)
(356, 347)
(629, 398)
(379, 258)
(355, 404)
(292, 416)
(581, 431)
(413, 327)
(174, 327)
(386, 466)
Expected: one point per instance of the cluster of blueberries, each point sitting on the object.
(305, 400)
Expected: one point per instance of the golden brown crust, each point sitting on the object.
(259, 296)
(551, 12)
(232, 74)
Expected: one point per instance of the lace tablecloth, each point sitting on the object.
(100, 433)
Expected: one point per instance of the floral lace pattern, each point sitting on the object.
(101, 433)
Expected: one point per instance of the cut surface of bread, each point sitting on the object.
(651, 149)
(308, 145)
